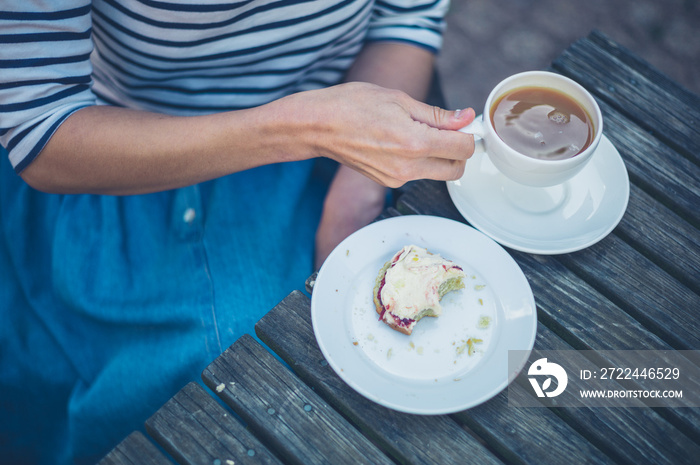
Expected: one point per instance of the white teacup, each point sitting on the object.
(525, 170)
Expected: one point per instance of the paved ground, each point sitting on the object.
(488, 40)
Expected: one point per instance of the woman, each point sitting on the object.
(160, 194)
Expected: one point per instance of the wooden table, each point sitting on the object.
(636, 289)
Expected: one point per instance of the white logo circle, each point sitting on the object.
(542, 367)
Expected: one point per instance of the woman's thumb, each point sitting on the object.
(440, 118)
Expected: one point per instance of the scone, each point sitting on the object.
(410, 286)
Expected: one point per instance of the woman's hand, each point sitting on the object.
(353, 199)
(384, 134)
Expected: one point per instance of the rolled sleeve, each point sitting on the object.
(45, 72)
(421, 23)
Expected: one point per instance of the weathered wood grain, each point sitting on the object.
(287, 330)
(642, 289)
(632, 91)
(195, 429)
(632, 435)
(633, 61)
(136, 449)
(659, 170)
(580, 314)
(665, 238)
(589, 321)
(286, 415)
(529, 435)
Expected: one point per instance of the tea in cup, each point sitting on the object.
(538, 128)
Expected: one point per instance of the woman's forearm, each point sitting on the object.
(110, 150)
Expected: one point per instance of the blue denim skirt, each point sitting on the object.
(109, 305)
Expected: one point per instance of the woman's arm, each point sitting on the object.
(379, 132)
(111, 150)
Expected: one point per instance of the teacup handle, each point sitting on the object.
(476, 128)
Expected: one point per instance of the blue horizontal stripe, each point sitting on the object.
(266, 27)
(240, 52)
(194, 7)
(37, 62)
(435, 29)
(178, 106)
(107, 100)
(408, 9)
(8, 107)
(200, 26)
(44, 37)
(213, 90)
(422, 45)
(38, 82)
(45, 15)
(218, 76)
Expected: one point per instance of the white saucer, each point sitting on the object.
(547, 221)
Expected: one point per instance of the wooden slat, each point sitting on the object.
(287, 330)
(285, 414)
(674, 247)
(579, 313)
(642, 289)
(656, 168)
(633, 435)
(532, 435)
(136, 449)
(586, 320)
(644, 68)
(195, 429)
(633, 92)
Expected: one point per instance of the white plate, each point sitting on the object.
(546, 221)
(426, 372)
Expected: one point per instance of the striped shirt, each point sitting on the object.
(182, 57)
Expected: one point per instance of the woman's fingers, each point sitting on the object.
(385, 134)
(439, 169)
